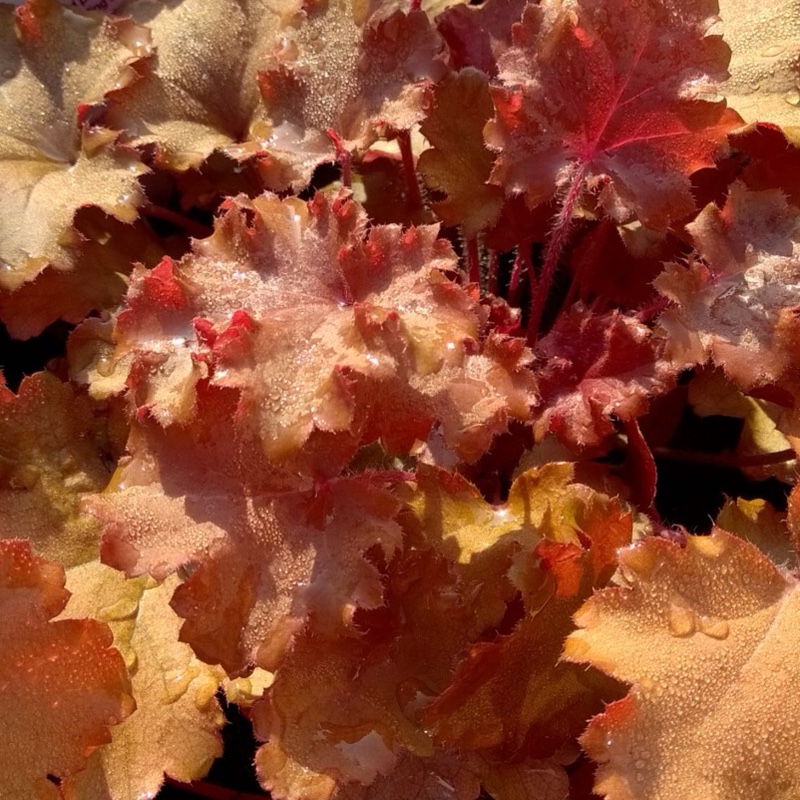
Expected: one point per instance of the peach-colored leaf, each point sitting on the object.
(458, 163)
(510, 695)
(175, 728)
(707, 635)
(355, 68)
(329, 330)
(61, 683)
(51, 455)
(54, 65)
(97, 280)
(266, 551)
(764, 38)
(175, 103)
(345, 711)
(760, 523)
(735, 301)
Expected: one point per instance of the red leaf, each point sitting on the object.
(611, 90)
(595, 369)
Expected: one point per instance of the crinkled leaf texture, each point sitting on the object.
(54, 65)
(351, 716)
(61, 683)
(358, 69)
(736, 302)
(594, 370)
(708, 635)
(329, 330)
(622, 94)
(175, 102)
(265, 554)
(174, 729)
(50, 456)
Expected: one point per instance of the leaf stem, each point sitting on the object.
(413, 195)
(494, 267)
(473, 260)
(343, 157)
(195, 229)
(522, 264)
(727, 461)
(552, 254)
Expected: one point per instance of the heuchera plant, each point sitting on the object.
(369, 326)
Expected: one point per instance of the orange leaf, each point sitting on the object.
(266, 553)
(511, 694)
(331, 331)
(175, 102)
(458, 164)
(353, 68)
(51, 454)
(175, 728)
(707, 634)
(61, 683)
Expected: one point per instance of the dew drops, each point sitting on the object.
(792, 97)
(681, 620)
(714, 627)
(772, 51)
(176, 684)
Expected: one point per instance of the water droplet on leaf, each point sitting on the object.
(681, 620)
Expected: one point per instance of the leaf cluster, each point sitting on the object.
(378, 323)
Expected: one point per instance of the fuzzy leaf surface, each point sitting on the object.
(51, 455)
(175, 103)
(764, 38)
(363, 693)
(328, 329)
(174, 730)
(736, 303)
(358, 69)
(595, 368)
(53, 65)
(264, 554)
(705, 633)
(61, 683)
(616, 93)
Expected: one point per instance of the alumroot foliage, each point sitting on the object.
(381, 317)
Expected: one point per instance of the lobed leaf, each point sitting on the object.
(175, 102)
(55, 66)
(62, 685)
(705, 633)
(357, 69)
(622, 95)
(265, 551)
(174, 730)
(330, 331)
(596, 369)
(735, 303)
